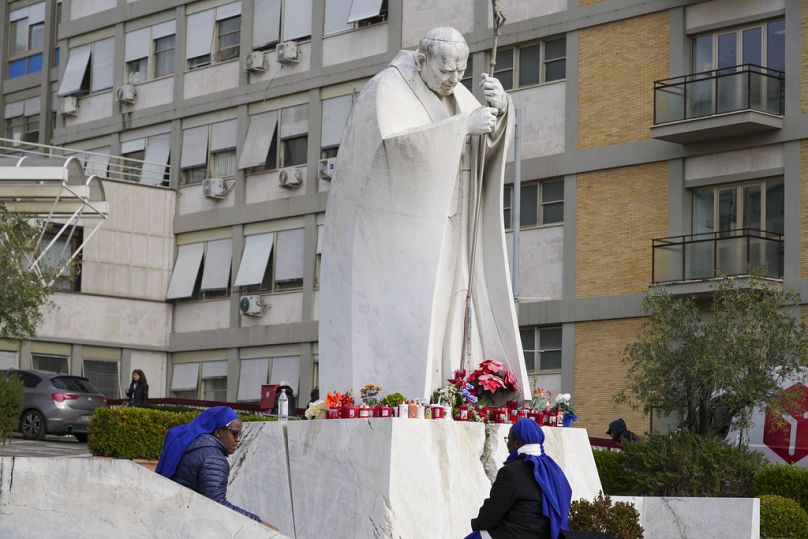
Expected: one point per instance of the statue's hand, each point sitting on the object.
(482, 121)
(494, 93)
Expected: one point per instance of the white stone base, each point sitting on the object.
(385, 478)
(102, 498)
(685, 518)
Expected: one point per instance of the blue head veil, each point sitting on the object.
(556, 493)
(180, 437)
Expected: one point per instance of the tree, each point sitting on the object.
(22, 294)
(711, 368)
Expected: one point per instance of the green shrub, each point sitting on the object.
(782, 517)
(609, 470)
(138, 432)
(393, 399)
(783, 480)
(686, 464)
(619, 519)
(11, 392)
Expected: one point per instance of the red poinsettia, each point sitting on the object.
(490, 382)
(459, 379)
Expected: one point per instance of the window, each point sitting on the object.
(155, 43)
(253, 374)
(335, 112)
(214, 381)
(89, 68)
(59, 254)
(281, 20)
(542, 348)
(229, 38)
(532, 63)
(209, 151)
(761, 46)
(272, 262)
(290, 125)
(185, 381)
(342, 15)
(201, 270)
(758, 205)
(43, 362)
(103, 375)
(222, 25)
(541, 203)
(26, 38)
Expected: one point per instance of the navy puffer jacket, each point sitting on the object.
(204, 469)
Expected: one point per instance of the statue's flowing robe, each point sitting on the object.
(397, 244)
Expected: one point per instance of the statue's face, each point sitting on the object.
(444, 69)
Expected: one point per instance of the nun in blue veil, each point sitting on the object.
(195, 455)
(530, 497)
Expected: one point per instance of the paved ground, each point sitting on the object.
(51, 446)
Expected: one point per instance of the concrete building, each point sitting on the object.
(641, 121)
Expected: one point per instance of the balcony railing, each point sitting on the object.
(719, 91)
(697, 257)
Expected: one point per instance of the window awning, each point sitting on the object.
(223, 135)
(266, 22)
(32, 106)
(253, 375)
(214, 369)
(131, 146)
(335, 115)
(137, 44)
(186, 376)
(157, 151)
(186, 269)
(216, 274)
(103, 59)
(228, 10)
(97, 164)
(14, 110)
(36, 13)
(199, 36)
(297, 21)
(320, 232)
(259, 138)
(194, 147)
(168, 28)
(76, 68)
(257, 249)
(336, 16)
(289, 256)
(364, 9)
(294, 121)
(286, 369)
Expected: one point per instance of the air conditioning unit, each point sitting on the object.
(327, 168)
(126, 93)
(287, 52)
(255, 61)
(290, 178)
(69, 106)
(251, 306)
(214, 188)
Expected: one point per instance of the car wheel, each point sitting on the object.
(82, 438)
(32, 425)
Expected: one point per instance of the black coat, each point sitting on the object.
(513, 510)
(138, 394)
(204, 469)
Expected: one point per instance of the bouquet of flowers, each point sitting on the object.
(316, 410)
(337, 399)
(562, 404)
(490, 381)
(542, 399)
(370, 394)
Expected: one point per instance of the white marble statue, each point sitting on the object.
(399, 229)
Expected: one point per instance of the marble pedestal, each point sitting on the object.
(381, 478)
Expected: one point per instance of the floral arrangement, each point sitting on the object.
(542, 399)
(316, 410)
(337, 399)
(393, 399)
(562, 404)
(370, 394)
(490, 380)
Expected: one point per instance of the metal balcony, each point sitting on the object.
(722, 102)
(699, 257)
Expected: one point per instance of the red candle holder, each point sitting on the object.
(347, 412)
(382, 411)
(364, 412)
(499, 415)
(437, 411)
(332, 413)
(464, 413)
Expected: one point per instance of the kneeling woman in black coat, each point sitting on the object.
(530, 497)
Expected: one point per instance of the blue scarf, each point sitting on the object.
(180, 437)
(556, 493)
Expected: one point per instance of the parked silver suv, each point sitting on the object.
(56, 404)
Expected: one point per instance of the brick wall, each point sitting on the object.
(804, 56)
(618, 63)
(600, 374)
(803, 208)
(619, 211)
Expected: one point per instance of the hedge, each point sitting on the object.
(11, 396)
(137, 432)
(783, 480)
(619, 519)
(782, 517)
(608, 464)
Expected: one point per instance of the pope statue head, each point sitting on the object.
(441, 59)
